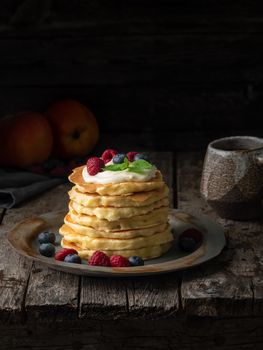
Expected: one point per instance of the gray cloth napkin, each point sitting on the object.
(17, 186)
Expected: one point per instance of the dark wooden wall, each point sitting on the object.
(170, 71)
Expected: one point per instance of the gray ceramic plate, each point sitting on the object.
(23, 238)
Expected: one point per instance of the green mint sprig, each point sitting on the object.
(138, 166)
(117, 167)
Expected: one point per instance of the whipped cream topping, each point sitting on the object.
(108, 176)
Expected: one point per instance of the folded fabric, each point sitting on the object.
(17, 186)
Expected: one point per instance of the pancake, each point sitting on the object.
(145, 253)
(99, 243)
(91, 232)
(115, 189)
(157, 216)
(123, 218)
(132, 200)
(113, 214)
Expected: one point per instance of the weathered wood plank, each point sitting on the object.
(14, 273)
(103, 299)
(223, 58)
(176, 140)
(222, 287)
(189, 167)
(156, 296)
(252, 231)
(153, 297)
(168, 113)
(206, 291)
(51, 293)
(135, 17)
(176, 333)
(15, 269)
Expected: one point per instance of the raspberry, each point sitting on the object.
(63, 253)
(98, 258)
(190, 240)
(108, 155)
(193, 233)
(131, 155)
(119, 261)
(94, 165)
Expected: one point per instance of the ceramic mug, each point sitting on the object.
(232, 178)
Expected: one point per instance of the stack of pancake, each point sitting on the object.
(128, 218)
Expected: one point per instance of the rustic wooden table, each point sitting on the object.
(217, 305)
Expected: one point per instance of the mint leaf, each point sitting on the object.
(117, 167)
(141, 163)
(138, 166)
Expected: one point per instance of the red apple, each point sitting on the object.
(75, 129)
(25, 139)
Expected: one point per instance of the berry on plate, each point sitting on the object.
(119, 158)
(141, 156)
(136, 261)
(190, 239)
(60, 256)
(98, 258)
(119, 261)
(47, 249)
(94, 165)
(108, 155)
(46, 237)
(73, 258)
(131, 155)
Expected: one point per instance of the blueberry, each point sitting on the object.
(118, 158)
(73, 258)
(47, 249)
(188, 244)
(141, 156)
(136, 261)
(46, 237)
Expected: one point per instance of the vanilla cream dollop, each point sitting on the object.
(107, 176)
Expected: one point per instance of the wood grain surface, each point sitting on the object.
(15, 271)
(177, 74)
(177, 333)
(228, 284)
(217, 304)
(169, 67)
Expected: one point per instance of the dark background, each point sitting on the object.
(169, 73)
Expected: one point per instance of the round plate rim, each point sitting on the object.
(149, 269)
